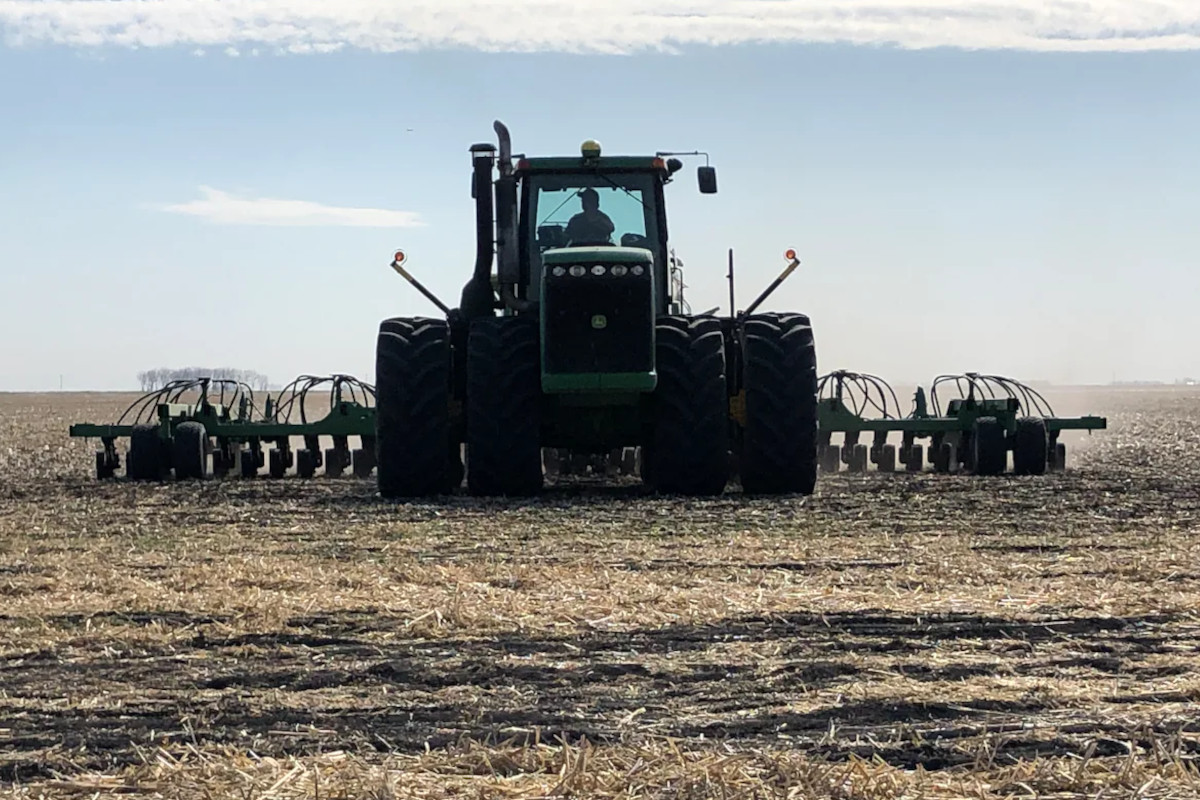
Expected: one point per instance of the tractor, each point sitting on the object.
(569, 336)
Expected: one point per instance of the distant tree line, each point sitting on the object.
(153, 379)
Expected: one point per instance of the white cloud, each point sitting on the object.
(612, 26)
(222, 207)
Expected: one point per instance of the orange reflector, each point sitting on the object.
(522, 164)
(400, 256)
(660, 164)
(790, 255)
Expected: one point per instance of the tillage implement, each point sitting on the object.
(179, 429)
(988, 418)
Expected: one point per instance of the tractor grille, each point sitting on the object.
(573, 342)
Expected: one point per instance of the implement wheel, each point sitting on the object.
(779, 450)
(306, 463)
(1059, 461)
(887, 458)
(916, 459)
(278, 463)
(414, 451)
(146, 460)
(189, 451)
(504, 402)
(990, 448)
(688, 452)
(1030, 447)
(831, 458)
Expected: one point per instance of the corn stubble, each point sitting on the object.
(892, 636)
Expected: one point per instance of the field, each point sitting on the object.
(894, 635)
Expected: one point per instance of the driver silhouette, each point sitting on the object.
(590, 226)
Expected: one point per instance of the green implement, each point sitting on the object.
(221, 421)
(990, 417)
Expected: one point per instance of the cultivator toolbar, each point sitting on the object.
(168, 434)
(177, 429)
(988, 417)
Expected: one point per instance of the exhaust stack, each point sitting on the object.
(478, 297)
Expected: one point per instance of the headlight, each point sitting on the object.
(598, 269)
(637, 269)
(620, 270)
(578, 270)
(558, 272)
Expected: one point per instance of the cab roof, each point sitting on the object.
(581, 164)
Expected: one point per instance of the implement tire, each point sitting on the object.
(146, 460)
(504, 407)
(413, 449)
(990, 450)
(779, 446)
(189, 451)
(1030, 447)
(688, 452)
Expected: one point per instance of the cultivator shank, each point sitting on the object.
(989, 417)
(223, 424)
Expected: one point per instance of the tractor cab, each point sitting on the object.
(593, 252)
(594, 213)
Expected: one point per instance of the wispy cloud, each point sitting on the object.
(223, 207)
(612, 26)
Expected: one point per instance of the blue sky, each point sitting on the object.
(1009, 190)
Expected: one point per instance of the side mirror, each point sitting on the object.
(707, 177)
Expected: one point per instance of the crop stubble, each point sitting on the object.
(893, 635)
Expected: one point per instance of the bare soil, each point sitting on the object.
(893, 635)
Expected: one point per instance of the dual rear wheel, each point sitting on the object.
(688, 444)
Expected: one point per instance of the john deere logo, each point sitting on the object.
(599, 322)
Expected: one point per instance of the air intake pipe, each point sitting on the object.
(478, 296)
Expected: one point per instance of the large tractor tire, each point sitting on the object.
(688, 452)
(504, 405)
(415, 452)
(1030, 447)
(779, 443)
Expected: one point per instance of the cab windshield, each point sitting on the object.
(597, 209)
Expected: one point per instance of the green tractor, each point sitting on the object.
(569, 337)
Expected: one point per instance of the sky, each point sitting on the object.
(1005, 187)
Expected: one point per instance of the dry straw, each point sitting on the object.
(893, 636)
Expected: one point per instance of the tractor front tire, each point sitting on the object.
(688, 452)
(414, 450)
(504, 402)
(190, 451)
(779, 446)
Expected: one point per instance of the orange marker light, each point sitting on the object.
(790, 255)
(400, 256)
